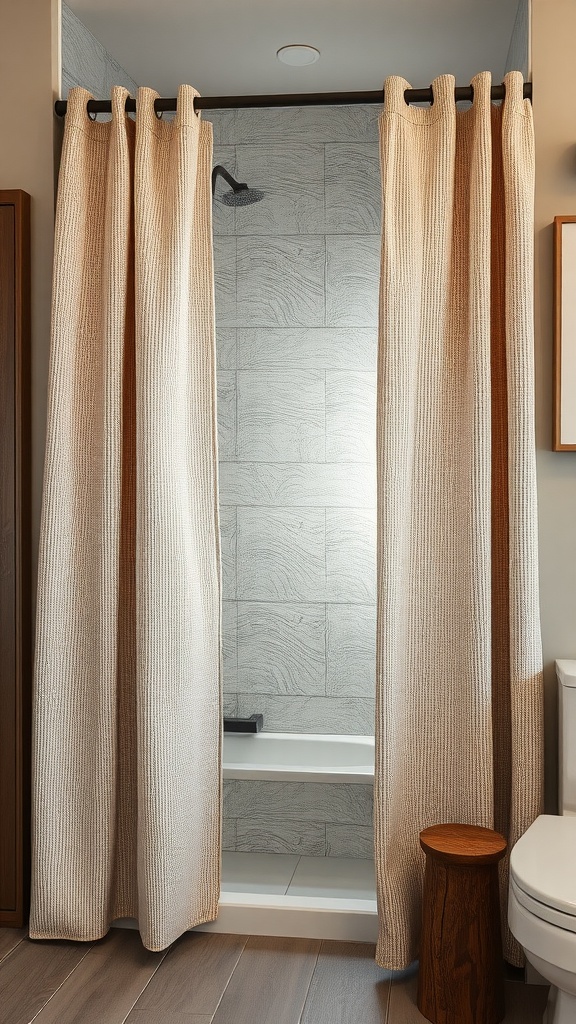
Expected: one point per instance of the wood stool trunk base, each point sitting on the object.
(461, 978)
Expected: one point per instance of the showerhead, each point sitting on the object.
(240, 195)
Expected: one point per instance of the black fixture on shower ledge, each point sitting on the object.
(240, 195)
(252, 724)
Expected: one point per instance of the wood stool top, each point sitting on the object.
(463, 844)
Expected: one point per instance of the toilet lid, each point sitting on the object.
(543, 862)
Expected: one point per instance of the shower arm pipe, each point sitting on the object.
(219, 171)
(309, 99)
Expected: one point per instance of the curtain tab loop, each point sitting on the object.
(514, 92)
(118, 97)
(481, 85)
(394, 89)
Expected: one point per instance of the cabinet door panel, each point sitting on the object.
(15, 584)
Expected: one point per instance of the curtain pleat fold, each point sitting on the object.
(459, 684)
(127, 715)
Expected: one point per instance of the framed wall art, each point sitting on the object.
(564, 421)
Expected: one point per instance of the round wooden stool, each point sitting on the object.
(461, 978)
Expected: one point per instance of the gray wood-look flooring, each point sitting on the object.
(206, 978)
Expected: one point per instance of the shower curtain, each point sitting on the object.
(459, 686)
(127, 720)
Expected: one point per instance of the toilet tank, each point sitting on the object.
(566, 672)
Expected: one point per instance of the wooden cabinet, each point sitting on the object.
(15, 577)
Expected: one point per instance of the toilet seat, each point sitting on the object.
(543, 870)
(542, 910)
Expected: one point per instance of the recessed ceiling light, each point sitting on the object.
(298, 56)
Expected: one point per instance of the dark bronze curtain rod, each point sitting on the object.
(310, 99)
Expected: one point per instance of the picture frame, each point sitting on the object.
(564, 417)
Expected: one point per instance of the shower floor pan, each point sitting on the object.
(305, 897)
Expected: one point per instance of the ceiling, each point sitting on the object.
(228, 47)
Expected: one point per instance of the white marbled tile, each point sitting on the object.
(292, 179)
(222, 122)
(353, 716)
(83, 56)
(228, 834)
(230, 646)
(281, 415)
(223, 216)
(350, 841)
(353, 189)
(340, 878)
(225, 281)
(280, 281)
(281, 648)
(352, 280)
(226, 407)
(230, 705)
(298, 125)
(315, 485)
(276, 835)
(257, 872)
(307, 348)
(280, 554)
(228, 542)
(350, 650)
(351, 417)
(226, 348)
(351, 555)
(299, 801)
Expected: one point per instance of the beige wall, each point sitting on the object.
(553, 72)
(29, 71)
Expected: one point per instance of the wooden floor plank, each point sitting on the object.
(106, 984)
(193, 976)
(151, 1017)
(347, 986)
(270, 983)
(31, 974)
(9, 939)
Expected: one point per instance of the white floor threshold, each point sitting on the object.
(295, 897)
(306, 917)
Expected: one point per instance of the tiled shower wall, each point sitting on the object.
(296, 311)
(87, 63)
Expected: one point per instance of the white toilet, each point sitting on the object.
(542, 894)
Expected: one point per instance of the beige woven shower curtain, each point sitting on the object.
(126, 818)
(459, 698)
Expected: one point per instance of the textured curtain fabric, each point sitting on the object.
(127, 720)
(459, 688)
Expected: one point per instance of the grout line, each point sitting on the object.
(388, 1000)
(301, 234)
(237, 659)
(312, 973)
(292, 875)
(300, 601)
(62, 983)
(247, 937)
(295, 462)
(324, 178)
(325, 648)
(9, 952)
(166, 954)
(235, 598)
(236, 416)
